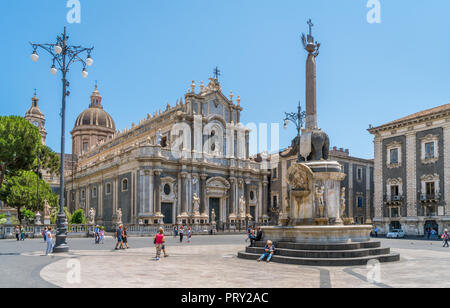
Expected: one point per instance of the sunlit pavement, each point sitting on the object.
(208, 261)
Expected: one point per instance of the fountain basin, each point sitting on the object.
(318, 234)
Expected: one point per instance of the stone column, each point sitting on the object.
(232, 198)
(368, 194)
(203, 195)
(350, 190)
(183, 194)
(100, 199)
(247, 197)
(378, 182)
(311, 112)
(115, 195)
(446, 159)
(264, 216)
(156, 189)
(411, 183)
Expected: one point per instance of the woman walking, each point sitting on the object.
(48, 238)
(17, 233)
(125, 236)
(189, 234)
(102, 235)
(445, 238)
(159, 241)
(181, 234)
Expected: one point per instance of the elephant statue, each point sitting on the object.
(320, 146)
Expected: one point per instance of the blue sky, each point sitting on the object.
(147, 53)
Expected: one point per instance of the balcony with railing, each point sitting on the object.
(429, 198)
(393, 199)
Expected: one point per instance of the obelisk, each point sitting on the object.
(311, 103)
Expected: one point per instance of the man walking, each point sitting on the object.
(118, 235)
(445, 238)
(48, 238)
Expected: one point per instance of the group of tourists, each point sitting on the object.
(122, 237)
(99, 235)
(254, 235)
(20, 233)
(180, 233)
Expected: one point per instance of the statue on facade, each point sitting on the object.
(342, 201)
(119, 215)
(319, 199)
(242, 206)
(213, 216)
(92, 216)
(196, 204)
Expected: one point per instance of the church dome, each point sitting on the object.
(95, 115)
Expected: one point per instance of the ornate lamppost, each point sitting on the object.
(63, 56)
(298, 119)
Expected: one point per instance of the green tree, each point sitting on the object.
(20, 191)
(78, 217)
(20, 147)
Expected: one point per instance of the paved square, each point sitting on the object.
(210, 261)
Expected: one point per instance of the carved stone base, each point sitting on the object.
(348, 221)
(321, 221)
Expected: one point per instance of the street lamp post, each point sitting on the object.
(298, 119)
(63, 56)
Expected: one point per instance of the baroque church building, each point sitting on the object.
(187, 164)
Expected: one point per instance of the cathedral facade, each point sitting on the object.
(187, 164)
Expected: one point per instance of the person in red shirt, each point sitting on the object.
(159, 241)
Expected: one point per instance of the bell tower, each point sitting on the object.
(36, 117)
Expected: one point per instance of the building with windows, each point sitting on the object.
(187, 164)
(412, 172)
(358, 184)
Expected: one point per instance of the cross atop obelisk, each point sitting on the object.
(312, 48)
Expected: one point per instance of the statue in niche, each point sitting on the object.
(342, 201)
(319, 192)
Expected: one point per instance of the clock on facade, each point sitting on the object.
(36, 124)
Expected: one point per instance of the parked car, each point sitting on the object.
(396, 233)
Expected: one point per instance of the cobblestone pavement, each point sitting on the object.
(209, 261)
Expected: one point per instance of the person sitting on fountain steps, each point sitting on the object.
(256, 237)
(269, 250)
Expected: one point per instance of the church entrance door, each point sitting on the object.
(166, 210)
(253, 212)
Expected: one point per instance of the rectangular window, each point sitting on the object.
(359, 174)
(430, 189)
(274, 173)
(108, 188)
(85, 146)
(429, 150)
(275, 201)
(360, 201)
(394, 212)
(394, 156)
(94, 192)
(394, 190)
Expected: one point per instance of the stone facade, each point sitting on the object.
(411, 172)
(358, 183)
(153, 171)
